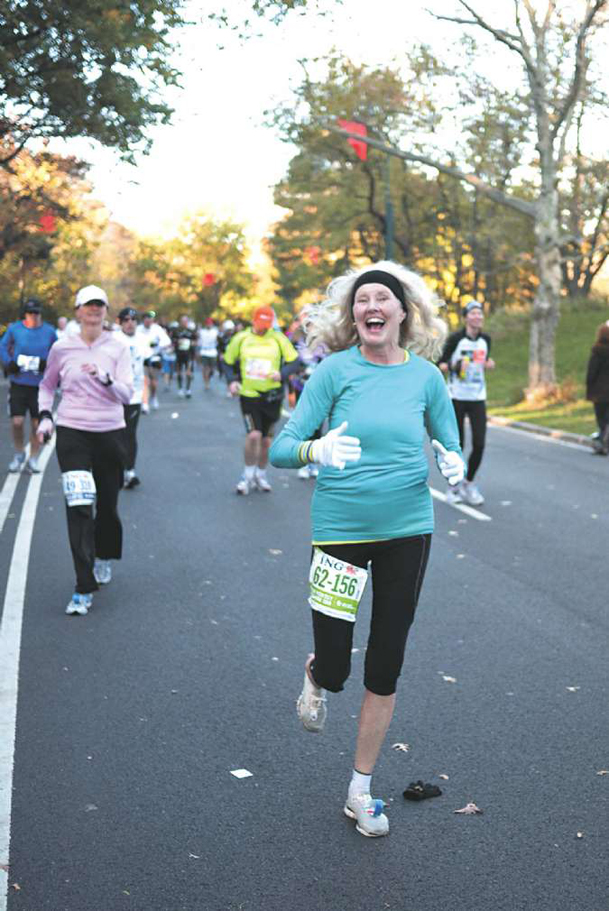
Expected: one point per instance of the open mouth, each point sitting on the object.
(375, 324)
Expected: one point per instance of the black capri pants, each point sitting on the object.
(132, 416)
(94, 531)
(397, 570)
(476, 411)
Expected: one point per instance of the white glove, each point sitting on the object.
(44, 431)
(450, 463)
(335, 450)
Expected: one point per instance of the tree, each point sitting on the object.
(553, 53)
(336, 202)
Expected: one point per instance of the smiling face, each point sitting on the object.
(92, 315)
(378, 315)
(474, 319)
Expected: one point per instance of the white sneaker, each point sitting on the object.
(313, 471)
(102, 570)
(368, 815)
(243, 487)
(454, 494)
(304, 473)
(17, 463)
(261, 482)
(181, 393)
(471, 494)
(32, 465)
(155, 403)
(311, 706)
(145, 408)
(79, 604)
(188, 394)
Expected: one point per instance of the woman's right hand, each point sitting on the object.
(334, 450)
(234, 388)
(45, 430)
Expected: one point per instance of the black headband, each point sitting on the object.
(379, 277)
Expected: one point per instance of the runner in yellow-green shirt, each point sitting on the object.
(259, 360)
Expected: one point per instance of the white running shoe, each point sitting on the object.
(368, 815)
(311, 706)
(243, 487)
(261, 482)
(17, 462)
(313, 470)
(181, 393)
(80, 604)
(155, 403)
(471, 494)
(304, 473)
(102, 570)
(145, 408)
(188, 394)
(455, 494)
(32, 465)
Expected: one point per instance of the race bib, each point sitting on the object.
(479, 356)
(78, 488)
(336, 587)
(28, 362)
(258, 368)
(184, 344)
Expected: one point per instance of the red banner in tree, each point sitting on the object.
(47, 223)
(352, 126)
(209, 279)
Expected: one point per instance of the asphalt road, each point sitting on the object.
(131, 720)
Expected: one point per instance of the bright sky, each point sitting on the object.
(217, 155)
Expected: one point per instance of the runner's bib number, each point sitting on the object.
(184, 344)
(28, 362)
(336, 587)
(258, 368)
(78, 488)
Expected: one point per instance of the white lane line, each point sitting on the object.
(468, 510)
(8, 492)
(542, 437)
(10, 647)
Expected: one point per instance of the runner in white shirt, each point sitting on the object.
(139, 350)
(208, 349)
(157, 340)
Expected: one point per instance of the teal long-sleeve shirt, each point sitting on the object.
(391, 408)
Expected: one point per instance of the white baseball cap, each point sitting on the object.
(90, 293)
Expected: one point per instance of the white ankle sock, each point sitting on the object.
(260, 472)
(249, 472)
(359, 784)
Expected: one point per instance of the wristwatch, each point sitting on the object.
(108, 381)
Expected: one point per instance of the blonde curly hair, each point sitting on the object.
(331, 322)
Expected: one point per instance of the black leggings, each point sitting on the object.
(476, 411)
(398, 569)
(132, 416)
(93, 531)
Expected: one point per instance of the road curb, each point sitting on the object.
(544, 431)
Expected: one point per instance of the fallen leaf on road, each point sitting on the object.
(443, 777)
(580, 835)
(470, 809)
(573, 689)
(195, 856)
(448, 679)
(454, 534)
(16, 887)
(90, 807)
(603, 772)
(403, 747)
(275, 553)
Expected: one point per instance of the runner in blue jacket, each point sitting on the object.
(24, 349)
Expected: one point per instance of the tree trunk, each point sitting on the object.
(546, 305)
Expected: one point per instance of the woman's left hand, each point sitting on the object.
(450, 463)
(91, 369)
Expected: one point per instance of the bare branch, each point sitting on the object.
(581, 64)
(504, 199)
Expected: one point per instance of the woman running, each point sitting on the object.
(371, 504)
(94, 371)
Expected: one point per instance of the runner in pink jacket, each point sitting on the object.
(93, 371)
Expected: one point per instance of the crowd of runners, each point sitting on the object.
(360, 374)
